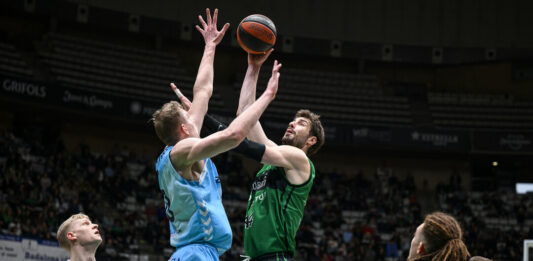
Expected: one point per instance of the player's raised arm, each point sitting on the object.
(191, 150)
(247, 95)
(203, 86)
(249, 84)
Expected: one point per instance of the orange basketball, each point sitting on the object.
(256, 34)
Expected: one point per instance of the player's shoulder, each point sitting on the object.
(180, 151)
(293, 153)
(183, 146)
(291, 148)
(296, 157)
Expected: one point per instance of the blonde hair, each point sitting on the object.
(166, 120)
(64, 229)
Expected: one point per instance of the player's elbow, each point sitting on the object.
(234, 136)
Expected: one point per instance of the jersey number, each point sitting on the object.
(169, 212)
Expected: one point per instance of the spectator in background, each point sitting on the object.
(79, 236)
(439, 238)
(355, 191)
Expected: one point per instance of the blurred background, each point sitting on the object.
(427, 105)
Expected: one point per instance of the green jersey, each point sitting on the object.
(275, 210)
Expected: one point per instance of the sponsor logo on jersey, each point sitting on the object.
(260, 182)
(260, 197)
(248, 221)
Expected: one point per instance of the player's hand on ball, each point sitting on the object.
(272, 87)
(259, 59)
(209, 30)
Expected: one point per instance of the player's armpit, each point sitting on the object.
(293, 159)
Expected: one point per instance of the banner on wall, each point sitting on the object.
(77, 99)
(431, 140)
(15, 248)
(503, 141)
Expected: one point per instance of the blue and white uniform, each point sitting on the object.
(199, 227)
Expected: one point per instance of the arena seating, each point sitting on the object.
(494, 222)
(359, 217)
(116, 69)
(118, 189)
(350, 217)
(342, 98)
(479, 111)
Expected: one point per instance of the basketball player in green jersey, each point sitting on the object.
(280, 189)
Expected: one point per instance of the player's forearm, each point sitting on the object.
(249, 86)
(248, 118)
(204, 78)
(257, 134)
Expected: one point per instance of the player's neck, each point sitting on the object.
(79, 253)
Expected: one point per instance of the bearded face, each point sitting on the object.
(297, 133)
(294, 140)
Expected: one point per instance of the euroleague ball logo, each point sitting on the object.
(260, 31)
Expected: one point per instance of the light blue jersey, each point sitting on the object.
(194, 208)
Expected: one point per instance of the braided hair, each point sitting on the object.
(443, 239)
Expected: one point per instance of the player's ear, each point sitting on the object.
(421, 249)
(71, 236)
(311, 141)
(184, 129)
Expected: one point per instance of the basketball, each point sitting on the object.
(256, 34)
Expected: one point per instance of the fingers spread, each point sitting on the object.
(202, 21)
(208, 15)
(215, 16)
(199, 29)
(225, 28)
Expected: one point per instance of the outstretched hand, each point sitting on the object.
(272, 87)
(209, 30)
(259, 59)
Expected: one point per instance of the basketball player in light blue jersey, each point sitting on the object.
(199, 227)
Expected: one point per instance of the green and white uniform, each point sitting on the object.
(275, 210)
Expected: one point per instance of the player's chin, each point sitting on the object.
(286, 140)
